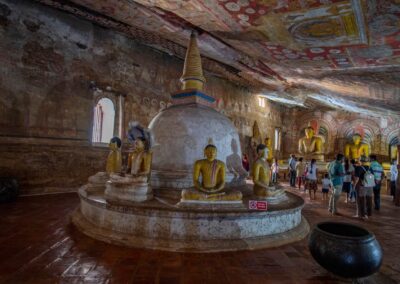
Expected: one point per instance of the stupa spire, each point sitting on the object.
(192, 77)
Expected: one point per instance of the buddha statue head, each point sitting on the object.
(139, 145)
(309, 132)
(267, 142)
(210, 152)
(115, 143)
(262, 151)
(356, 139)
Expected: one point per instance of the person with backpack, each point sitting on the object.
(365, 182)
(377, 171)
(336, 173)
(347, 179)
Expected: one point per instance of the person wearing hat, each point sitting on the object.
(364, 189)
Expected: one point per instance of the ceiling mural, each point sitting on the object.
(271, 45)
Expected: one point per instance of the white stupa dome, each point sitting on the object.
(181, 132)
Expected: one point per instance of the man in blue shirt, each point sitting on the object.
(336, 174)
(377, 170)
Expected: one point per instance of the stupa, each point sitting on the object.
(184, 129)
(182, 132)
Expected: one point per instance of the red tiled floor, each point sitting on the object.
(39, 245)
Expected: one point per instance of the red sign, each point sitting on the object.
(257, 205)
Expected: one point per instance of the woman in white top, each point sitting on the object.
(393, 177)
(311, 178)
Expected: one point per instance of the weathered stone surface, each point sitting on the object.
(48, 60)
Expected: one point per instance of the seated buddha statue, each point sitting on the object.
(134, 184)
(261, 175)
(114, 159)
(139, 161)
(311, 146)
(356, 149)
(209, 180)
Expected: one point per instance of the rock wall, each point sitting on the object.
(48, 60)
(338, 127)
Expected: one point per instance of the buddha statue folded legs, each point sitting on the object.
(261, 178)
(134, 185)
(311, 146)
(209, 182)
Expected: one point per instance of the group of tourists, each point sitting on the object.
(302, 173)
(360, 180)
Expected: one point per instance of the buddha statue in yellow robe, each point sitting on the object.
(114, 159)
(139, 161)
(268, 143)
(209, 180)
(133, 186)
(356, 149)
(311, 146)
(393, 152)
(261, 175)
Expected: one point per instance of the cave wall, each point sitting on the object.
(48, 60)
(378, 131)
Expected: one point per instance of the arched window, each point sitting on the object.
(103, 123)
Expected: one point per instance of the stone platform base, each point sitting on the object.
(162, 224)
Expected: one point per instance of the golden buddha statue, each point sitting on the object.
(139, 160)
(261, 175)
(393, 152)
(356, 149)
(114, 160)
(311, 146)
(134, 185)
(268, 143)
(209, 180)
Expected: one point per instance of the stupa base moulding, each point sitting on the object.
(164, 225)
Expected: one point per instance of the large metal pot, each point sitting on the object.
(344, 249)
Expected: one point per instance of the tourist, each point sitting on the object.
(311, 178)
(336, 173)
(347, 179)
(326, 185)
(364, 181)
(353, 196)
(397, 194)
(377, 170)
(393, 177)
(245, 162)
(292, 170)
(275, 170)
(300, 168)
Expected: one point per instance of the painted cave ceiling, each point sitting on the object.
(304, 53)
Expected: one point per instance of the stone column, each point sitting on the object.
(121, 106)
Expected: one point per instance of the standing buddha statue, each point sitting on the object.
(356, 149)
(268, 143)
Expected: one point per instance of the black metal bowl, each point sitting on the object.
(344, 249)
